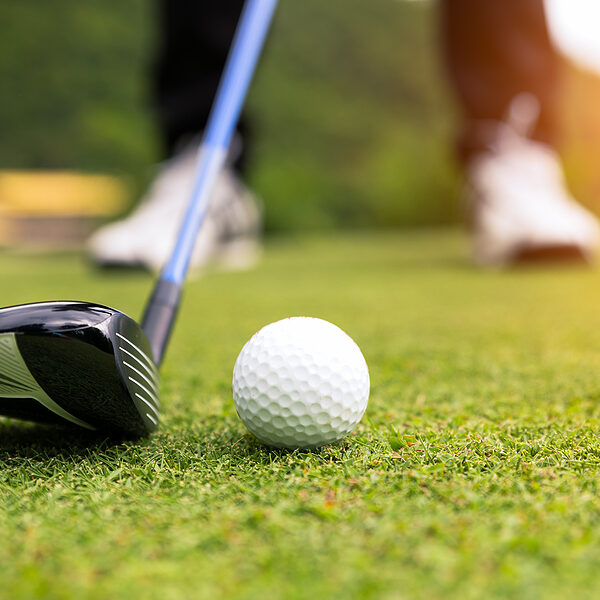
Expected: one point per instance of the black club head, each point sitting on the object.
(79, 363)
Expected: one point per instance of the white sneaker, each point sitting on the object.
(521, 207)
(229, 236)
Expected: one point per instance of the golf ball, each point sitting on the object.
(300, 383)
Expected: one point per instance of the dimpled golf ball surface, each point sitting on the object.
(300, 383)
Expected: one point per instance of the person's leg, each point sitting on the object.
(505, 74)
(496, 51)
(193, 42)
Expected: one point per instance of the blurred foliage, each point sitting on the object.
(353, 121)
(73, 76)
(354, 116)
(350, 110)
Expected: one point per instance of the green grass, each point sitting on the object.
(475, 473)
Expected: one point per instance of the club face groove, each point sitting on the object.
(77, 362)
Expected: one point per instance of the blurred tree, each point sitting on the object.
(354, 117)
(73, 75)
(351, 110)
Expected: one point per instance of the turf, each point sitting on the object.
(475, 473)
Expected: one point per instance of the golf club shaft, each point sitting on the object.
(248, 41)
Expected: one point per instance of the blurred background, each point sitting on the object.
(354, 122)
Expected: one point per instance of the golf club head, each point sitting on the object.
(79, 363)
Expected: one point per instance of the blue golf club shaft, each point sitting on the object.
(251, 31)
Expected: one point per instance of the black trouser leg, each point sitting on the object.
(495, 50)
(194, 39)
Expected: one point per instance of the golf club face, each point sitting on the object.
(77, 362)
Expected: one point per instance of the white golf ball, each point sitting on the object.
(300, 383)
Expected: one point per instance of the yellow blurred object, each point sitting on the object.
(61, 192)
(55, 209)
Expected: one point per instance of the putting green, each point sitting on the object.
(473, 475)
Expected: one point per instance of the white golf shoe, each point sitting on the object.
(229, 236)
(521, 208)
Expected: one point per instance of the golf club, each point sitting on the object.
(93, 366)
